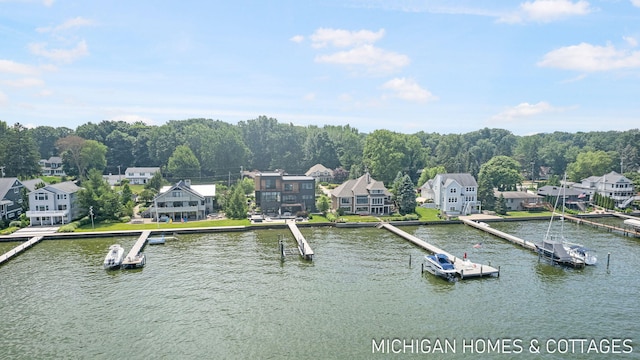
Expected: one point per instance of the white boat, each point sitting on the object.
(589, 256)
(156, 240)
(440, 265)
(114, 257)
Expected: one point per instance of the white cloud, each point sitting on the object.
(69, 24)
(24, 82)
(60, 55)
(297, 39)
(630, 40)
(309, 97)
(523, 110)
(375, 60)
(587, 57)
(408, 89)
(547, 11)
(635, 3)
(344, 38)
(12, 67)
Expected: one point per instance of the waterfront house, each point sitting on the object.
(10, 198)
(52, 166)
(573, 199)
(362, 196)
(183, 201)
(521, 200)
(612, 185)
(280, 194)
(454, 194)
(140, 175)
(54, 204)
(320, 173)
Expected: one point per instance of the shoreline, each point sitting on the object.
(214, 229)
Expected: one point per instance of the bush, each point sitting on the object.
(15, 223)
(71, 227)
(125, 219)
(331, 217)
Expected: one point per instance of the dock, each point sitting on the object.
(19, 249)
(134, 258)
(485, 227)
(610, 228)
(465, 269)
(303, 246)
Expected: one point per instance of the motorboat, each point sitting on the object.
(114, 257)
(578, 251)
(440, 265)
(156, 240)
(555, 251)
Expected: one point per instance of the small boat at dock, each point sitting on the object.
(440, 265)
(114, 257)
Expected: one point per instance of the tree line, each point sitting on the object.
(216, 150)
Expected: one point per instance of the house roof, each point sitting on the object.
(317, 168)
(428, 185)
(207, 190)
(515, 194)
(610, 178)
(6, 184)
(297, 178)
(31, 184)
(557, 190)
(68, 187)
(55, 160)
(142, 170)
(360, 186)
(464, 179)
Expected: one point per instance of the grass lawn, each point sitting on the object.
(524, 214)
(154, 226)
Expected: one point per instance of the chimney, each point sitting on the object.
(187, 182)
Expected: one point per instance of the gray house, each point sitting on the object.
(184, 201)
(363, 195)
(10, 198)
(453, 194)
(54, 204)
(278, 193)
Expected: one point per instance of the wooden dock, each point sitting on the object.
(134, 258)
(19, 249)
(484, 227)
(303, 246)
(465, 269)
(610, 228)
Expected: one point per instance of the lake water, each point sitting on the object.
(228, 295)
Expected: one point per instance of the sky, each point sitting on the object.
(438, 66)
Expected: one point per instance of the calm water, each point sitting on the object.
(229, 296)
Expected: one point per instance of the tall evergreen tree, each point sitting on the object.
(21, 156)
(406, 196)
(236, 207)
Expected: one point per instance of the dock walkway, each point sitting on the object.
(303, 246)
(610, 228)
(134, 259)
(464, 268)
(482, 226)
(19, 249)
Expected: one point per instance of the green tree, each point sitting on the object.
(100, 197)
(21, 157)
(236, 207)
(485, 193)
(93, 156)
(502, 172)
(406, 196)
(591, 163)
(155, 183)
(322, 204)
(183, 163)
(386, 153)
(127, 194)
(430, 173)
(501, 205)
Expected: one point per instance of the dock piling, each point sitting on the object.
(608, 258)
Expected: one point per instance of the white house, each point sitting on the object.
(453, 194)
(184, 201)
(363, 195)
(140, 175)
(54, 204)
(52, 166)
(320, 173)
(612, 185)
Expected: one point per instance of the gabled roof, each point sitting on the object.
(142, 170)
(6, 184)
(515, 194)
(197, 190)
(428, 185)
(360, 186)
(68, 187)
(557, 190)
(317, 168)
(464, 179)
(31, 184)
(614, 177)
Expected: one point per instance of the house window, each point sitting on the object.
(345, 200)
(289, 199)
(271, 196)
(308, 197)
(41, 196)
(453, 191)
(361, 200)
(270, 183)
(176, 193)
(377, 201)
(288, 187)
(308, 186)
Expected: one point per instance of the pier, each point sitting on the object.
(19, 249)
(303, 246)
(610, 228)
(464, 268)
(485, 227)
(134, 258)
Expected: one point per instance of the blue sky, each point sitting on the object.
(406, 65)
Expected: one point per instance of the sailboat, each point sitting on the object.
(556, 250)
